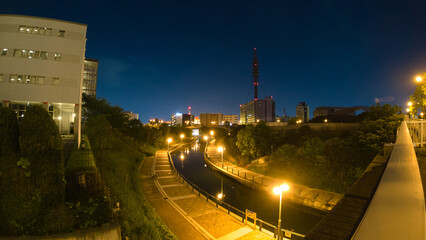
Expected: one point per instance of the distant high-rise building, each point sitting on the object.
(187, 118)
(90, 76)
(302, 111)
(232, 119)
(132, 115)
(176, 119)
(257, 109)
(211, 118)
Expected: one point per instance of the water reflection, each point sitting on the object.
(193, 167)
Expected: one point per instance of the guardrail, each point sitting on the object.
(261, 225)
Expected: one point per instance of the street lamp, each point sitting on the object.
(181, 137)
(279, 191)
(220, 149)
(409, 104)
(169, 140)
(419, 78)
(212, 133)
(325, 120)
(206, 138)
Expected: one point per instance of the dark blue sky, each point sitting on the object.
(158, 57)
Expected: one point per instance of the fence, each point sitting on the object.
(261, 225)
(417, 132)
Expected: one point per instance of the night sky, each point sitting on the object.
(158, 57)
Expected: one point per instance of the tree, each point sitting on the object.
(418, 97)
(99, 129)
(313, 150)
(9, 142)
(245, 142)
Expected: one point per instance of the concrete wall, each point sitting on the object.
(102, 233)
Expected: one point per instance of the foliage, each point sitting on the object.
(245, 142)
(254, 142)
(9, 132)
(293, 121)
(418, 97)
(119, 167)
(100, 129)
(313, 151)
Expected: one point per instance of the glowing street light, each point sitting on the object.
(408, 110)
(220, 195)
(279, 191)
(419, 78)
(181, 137)
(220, 149)
(421, 114)
(409, 104)
(212, 133)
(206, 138)
(325, 120)
(169, 140)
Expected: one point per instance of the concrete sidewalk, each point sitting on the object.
(186, 213)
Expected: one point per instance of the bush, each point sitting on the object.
(9, 132)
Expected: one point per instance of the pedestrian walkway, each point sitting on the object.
(184, 210)
(314, 198)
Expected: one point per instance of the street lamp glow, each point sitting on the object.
(325, 120)
(419, 79)
(410, 104)
(59, 117)
(181, 137)
(206, 137)
(169, 140)
(220, 195)
(408, 110)
(182, 157)
(220, 149)
(212, 132)
(279, 191)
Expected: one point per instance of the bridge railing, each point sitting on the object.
(397, 209)
(261, 225)
(417, 130)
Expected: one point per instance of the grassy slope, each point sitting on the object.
(119, 166)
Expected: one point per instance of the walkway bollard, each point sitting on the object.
(260, 226)
(253, 178)
(238, 172)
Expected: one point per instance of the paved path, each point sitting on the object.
(186, 213)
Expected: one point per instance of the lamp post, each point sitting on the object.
(169, 140)
(279, 191)
(212, 133)
(181, 137)
(220, 149)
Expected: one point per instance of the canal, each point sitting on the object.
(193, 167)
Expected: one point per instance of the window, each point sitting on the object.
(24, 53)
(22, 28)
(58, 56)
(35, 30)
(13, 77)
(42, 31)
(20, 77)
(37, 54)
(32, 79)
(40, 80)
(43, 55)
(4, 51)
(28, 29)
(17, 53)
(55, 81)
(30, 54)
(27, 79)
(61, 33)
(1, 77)
(48, 31)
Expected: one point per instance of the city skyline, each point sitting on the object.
(158, 58)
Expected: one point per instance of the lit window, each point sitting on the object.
(40, 80)
(28, 29)
(27, 79)
(17, 53)
(61, 33)
(4, 51)
(35, 30)
(42, 31)
(43, 55)
(31, 54)
(58, 56)
(22, 28)
(55, 81)
(13, 77)
(48, 31)
(37, 54)
(24, 53)
(20, 77)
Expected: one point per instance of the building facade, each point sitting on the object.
(90, 76)
(232, 119)
(176, 119)
(258, 110)
(211, 118)
(132, 115)
(302, 111)
(41, 63)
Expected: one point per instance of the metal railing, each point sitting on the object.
(417, 130)
(261, 225)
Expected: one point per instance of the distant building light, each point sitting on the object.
(59, 117)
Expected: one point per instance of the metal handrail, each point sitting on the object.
(259, 222)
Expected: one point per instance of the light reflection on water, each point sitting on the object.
(190, 162)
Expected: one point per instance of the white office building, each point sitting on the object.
(41, 63)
